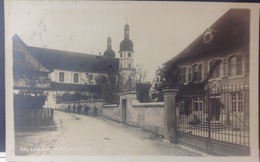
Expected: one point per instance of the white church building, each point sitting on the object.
(70, 71)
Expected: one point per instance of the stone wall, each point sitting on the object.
(149, 116)
(63, 106)
(112, 112)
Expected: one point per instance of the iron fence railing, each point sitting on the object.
(220, 114)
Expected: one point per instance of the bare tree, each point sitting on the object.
(139, 74)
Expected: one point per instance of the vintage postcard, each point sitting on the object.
(131, 81)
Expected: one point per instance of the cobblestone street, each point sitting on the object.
(87, 135)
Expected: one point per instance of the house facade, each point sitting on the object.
(219, 57)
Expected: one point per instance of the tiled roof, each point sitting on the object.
(72, 61)
(229, 31)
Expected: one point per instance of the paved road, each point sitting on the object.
(85, 135)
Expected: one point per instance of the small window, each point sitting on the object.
(224, 67)
(216, 72)
(235, 65)
(189, 74)
(198, 104)
(237, 102)
(61, 77)
(76, 78)
(120, 55)
(129, 66)
(183, 74)
(129, 54)
(197, 72)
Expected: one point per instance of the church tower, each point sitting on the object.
(126, 58)
(109, 52)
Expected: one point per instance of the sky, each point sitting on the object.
(159, 30)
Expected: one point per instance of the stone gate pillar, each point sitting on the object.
(170, 122)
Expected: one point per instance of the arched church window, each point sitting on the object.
(61, 77)
(129, 54)
(76, 78)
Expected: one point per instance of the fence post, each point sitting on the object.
(209, 118)
(170, 121)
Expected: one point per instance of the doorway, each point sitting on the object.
(215, 107)
(124, 111)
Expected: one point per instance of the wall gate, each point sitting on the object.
(216, 120)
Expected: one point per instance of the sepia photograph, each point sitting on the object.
(151, 80)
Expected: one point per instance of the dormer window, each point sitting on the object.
(208, 36)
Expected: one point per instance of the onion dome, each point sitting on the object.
(126, 44)
(109, 52)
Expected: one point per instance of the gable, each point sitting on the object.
(228, 32)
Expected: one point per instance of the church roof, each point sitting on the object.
(73, 61)
(109, 53)
(229, 32)
(126, 45)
